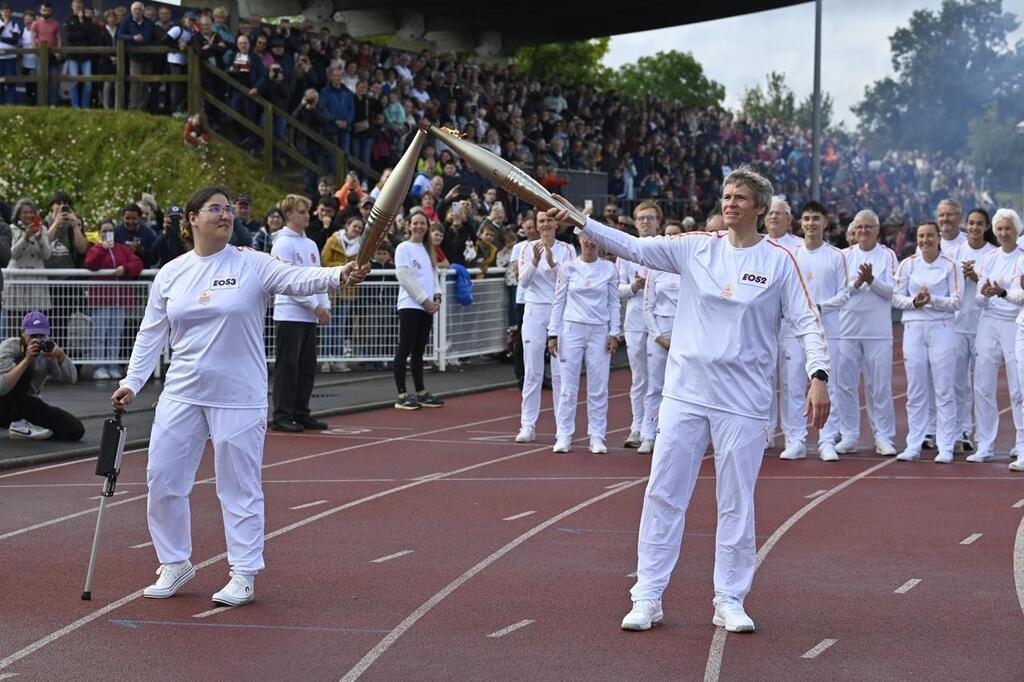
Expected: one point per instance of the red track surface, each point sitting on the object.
(325, 610)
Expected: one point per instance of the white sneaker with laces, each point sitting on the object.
(980, 457)
(562, 444)
(909, 455)
(645, 613)
(526, 435)
(114, 372)
(23, 429)
(885, 448)
(827, 452)
(847, 446)
(646, 447)
(729, 614)
(597, 446)
(101, 373)
(944, 458)
(172, 577)
(794, 450)
(1017, 465)
(239, 590)
(632, 440)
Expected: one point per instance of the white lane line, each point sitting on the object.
(426, 476)
(969, 540)
(376, 652)
(213, 612)
(820, 648)
(142, 544)
(713, 669)
(308, 505)
(907, 586)
(815, 494)
(1018, 504)
(511, 628)
(389, 557)
(68, 517)
(616, 485)
(7, 676)
(116, 493)
(519, 516)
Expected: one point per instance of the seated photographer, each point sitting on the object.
(26, 362)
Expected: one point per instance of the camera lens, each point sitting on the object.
(47, 346)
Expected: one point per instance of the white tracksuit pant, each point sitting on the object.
(657, 358)
(739, 444)
(794, 422)
(576, 343)
(873, 357)
(636, 351)
(179, 434)
(994, 345)
(928, 347)
(535, 343)
(964, 383)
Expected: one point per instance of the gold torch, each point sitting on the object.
(503, 174)
(390, 199)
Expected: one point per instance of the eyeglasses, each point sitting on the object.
(646, 219)
(217, 211)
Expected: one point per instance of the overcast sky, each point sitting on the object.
(739, 52)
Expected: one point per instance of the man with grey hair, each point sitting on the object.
(865, 339)
(137, 31)
(717, 387)
(949, 215)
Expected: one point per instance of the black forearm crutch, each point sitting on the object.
(108, 464)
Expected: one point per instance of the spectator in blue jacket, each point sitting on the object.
(337, 101)
(138, 31)
(136, 236)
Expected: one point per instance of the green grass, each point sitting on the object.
(106, 159)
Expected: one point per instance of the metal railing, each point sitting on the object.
(94, 319)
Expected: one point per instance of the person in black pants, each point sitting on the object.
(418, 302)
(26, 363)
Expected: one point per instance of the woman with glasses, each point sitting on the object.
(212, 302)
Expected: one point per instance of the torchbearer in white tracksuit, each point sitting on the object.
(661, 294)
(997, 331)
(584, 326)
(823, 267)
(213, 302)
(865, 339)
(538, 273)
(968, 256)
(777, 223)
(1016, 295)
(647, 217)
(927, 290)
(738, 286)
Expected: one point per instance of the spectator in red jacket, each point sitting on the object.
(108, 301)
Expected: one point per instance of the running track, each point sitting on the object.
(429, 546)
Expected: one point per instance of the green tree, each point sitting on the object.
(777, 101)
(673, 75)
(570, 63)
(948, 67)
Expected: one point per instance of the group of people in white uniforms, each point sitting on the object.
(738, 286)
(212, 302)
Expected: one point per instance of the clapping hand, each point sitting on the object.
(923, 298)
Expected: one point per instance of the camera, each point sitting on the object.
(47, 346)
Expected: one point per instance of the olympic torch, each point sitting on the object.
(503, 174)
(390, 199)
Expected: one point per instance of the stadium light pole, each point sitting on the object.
(816, 130)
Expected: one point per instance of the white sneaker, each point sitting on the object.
(325, 368)
(980, 457)
(1017, 465)
(525, 435)
(101, 373)
(729, 614)
(909, 455)
(562, 444)
(645, 613)
(795, 450)
(885, 448)
(632, 440)
(771, 443)
(646, 447)
(597, 446)
(172, 577)
(827, 452)
(847, 446)
(239, 590)
(23, 429)
(340, 368)
(944, 458)
(1013, 452)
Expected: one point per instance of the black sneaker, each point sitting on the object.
(427, 400)
(313, 424)
(409, 402)
(289, 425)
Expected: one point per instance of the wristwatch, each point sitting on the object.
(820, 374)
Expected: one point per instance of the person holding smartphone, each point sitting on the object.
(30, 248)
(108, 302)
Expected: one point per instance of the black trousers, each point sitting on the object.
(294, 369)
(517, 349)
(18, 404)
(413, 331)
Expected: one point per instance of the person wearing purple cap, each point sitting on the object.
(26, 363)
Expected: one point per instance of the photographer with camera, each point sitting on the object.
(26, 362)
(169, 244)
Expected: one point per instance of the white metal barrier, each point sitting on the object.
(94, 319)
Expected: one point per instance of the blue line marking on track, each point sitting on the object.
(134, 624)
